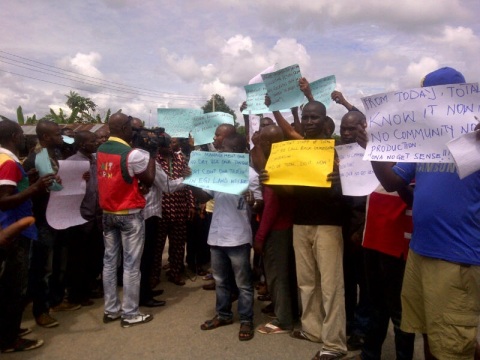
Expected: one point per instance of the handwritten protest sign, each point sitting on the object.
(301, 162)
(256, 99)
(322, 89)
(219, 171)
(282, 87)
(356, 175)
(63, 210)
(465, 150)
(414, 125)
(204, 126)
(177, 122)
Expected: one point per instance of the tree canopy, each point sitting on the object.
(220, 105)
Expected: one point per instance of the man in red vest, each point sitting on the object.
(120, 171)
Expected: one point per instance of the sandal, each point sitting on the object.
(215, 323)
(246, 331)
(264, 297)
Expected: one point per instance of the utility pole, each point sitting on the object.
(213, 103)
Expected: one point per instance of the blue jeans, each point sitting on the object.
(224, 260)
(125, 231)
(40, 268)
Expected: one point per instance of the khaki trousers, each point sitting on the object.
(319, 262)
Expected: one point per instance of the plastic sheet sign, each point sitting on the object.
(282, 87)
(415, 125)
(219, 171)
(301, 162)
(204, 126)
(177, 122)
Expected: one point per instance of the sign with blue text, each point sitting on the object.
(282, 88)
(177, 122)
(204, 126)
(322, 89)
(256, 99)
(414, 125)
(219, 171)
(356, 175)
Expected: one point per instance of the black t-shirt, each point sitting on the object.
(317, 206)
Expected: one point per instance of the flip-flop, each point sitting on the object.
(270, 328)
(215, 323)
(246, 331)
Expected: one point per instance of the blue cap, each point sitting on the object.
(443, 76)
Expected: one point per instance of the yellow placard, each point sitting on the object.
(301, 162)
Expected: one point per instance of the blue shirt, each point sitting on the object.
(446, 212)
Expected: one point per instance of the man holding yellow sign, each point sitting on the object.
(317, 232)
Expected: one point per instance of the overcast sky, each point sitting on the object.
(141, 55)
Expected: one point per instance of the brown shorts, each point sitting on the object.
(442, 299)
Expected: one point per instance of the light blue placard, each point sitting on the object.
(219, 171)
(177, 122)
(322, 89)
(282, 87)
(44, 167)
(204, 126)
(256, 99)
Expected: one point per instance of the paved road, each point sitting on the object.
(174, 333)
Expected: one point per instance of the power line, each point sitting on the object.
(69, 86)
(102, 82)
(180, 97)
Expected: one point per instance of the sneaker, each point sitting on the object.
(46, 321)
(136, 320)
(108, 318)
(24, 331)
(22, 345)
(329, 355)
(65, 305)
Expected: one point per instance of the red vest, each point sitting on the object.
(388, 224)
(117, 190)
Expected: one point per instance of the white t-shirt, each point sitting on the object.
(137, 161)
(231, 216)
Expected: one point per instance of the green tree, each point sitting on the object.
(20, 117)
(217, 103)
(86, 107)
(61, 117)
(30, 120)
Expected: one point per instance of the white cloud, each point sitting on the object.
(238, 45)
(217, 87)
(184, 67)
(209, 72)
(85, 64)
(416, 71)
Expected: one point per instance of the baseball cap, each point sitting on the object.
(443, 76)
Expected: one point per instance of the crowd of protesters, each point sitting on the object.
(337, 268)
